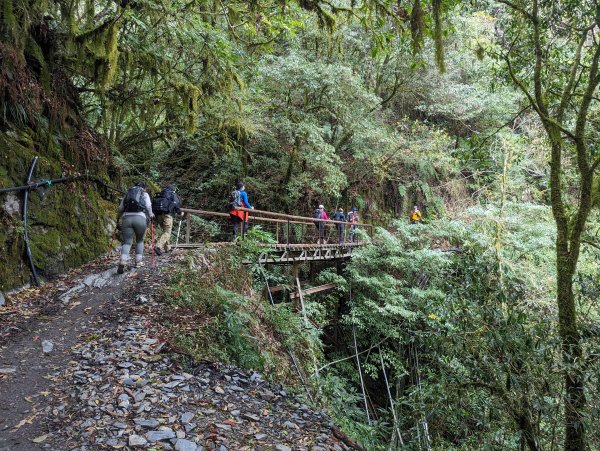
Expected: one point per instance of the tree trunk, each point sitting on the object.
(574, 391)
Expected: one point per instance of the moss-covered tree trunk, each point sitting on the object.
(557, 112)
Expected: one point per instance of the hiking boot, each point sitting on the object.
(139, 264)
(157, 251)
(121, 268)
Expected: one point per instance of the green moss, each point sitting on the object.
(68, 223)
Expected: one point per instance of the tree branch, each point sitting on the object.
(567, 91)
(516, 7)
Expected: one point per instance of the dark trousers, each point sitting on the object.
(236, 221)
(320, 225)
(340, 228)
(352, 235)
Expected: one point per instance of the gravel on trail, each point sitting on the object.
(115, 384)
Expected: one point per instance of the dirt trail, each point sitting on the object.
(111, 380)
(26, 372)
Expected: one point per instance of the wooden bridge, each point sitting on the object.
(296, 237)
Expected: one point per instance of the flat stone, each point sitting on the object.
(185, 445)
(8, 370)
(267, 395)
(260, 436)
(189, 427)
(187, 417)
(290, 425)
(236, 388)
(137, 440)
(147, 423)
(283, 448)
(249, 416)
(219, 390)
(157, 436)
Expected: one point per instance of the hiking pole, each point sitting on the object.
(178, 230)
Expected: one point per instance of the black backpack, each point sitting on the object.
(318, 214)
(134, 200)
(235, 199)
(166, 202)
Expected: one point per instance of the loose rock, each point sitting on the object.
(47, 346)
(137, 440)
(185, 445)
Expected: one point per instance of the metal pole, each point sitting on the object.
(387, 386)
(362, 382)
(26, 233)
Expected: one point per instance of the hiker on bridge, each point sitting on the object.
(239, 198)
(320, 214)
(164, 205)
(339, 216)
(136, 210)
(353, 218)
(415, 215)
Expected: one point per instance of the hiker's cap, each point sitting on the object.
(321, 207)
(354, 209)
(240, 185)
(141, 184)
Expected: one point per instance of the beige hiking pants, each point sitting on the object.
(166, 225)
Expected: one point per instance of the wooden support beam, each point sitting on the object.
(188, 227)
(279, 288)
(313, 290)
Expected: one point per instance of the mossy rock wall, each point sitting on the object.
(69, 224)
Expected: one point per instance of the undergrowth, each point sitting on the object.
(217, 315)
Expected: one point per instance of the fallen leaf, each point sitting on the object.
(40, 439)
(25, 421)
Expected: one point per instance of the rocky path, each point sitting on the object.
(111, 381)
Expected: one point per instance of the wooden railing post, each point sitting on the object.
(188, 227)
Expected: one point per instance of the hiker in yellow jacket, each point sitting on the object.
(415, 215)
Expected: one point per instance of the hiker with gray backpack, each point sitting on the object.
(165, 205)
(136, 210)
(239, 198)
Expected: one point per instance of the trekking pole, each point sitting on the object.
(152, 241)
(178, 230)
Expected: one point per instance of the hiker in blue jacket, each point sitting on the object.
(339, 216)
(239, 198)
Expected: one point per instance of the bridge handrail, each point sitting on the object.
(226, 215)
(299, 218)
